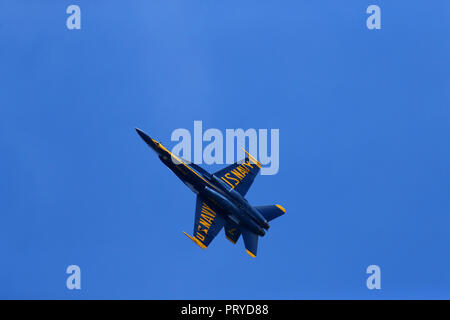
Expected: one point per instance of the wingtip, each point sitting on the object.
(201, 245)
(250, 253)
(254, 160)
(281, 208)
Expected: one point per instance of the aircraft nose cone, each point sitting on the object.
(142, 134)
(146, 138)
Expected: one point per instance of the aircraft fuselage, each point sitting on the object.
(231, 205)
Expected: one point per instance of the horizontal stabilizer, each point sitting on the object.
(271, 212)
(232, 232)
(251, 242)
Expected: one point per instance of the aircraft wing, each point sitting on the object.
(240, 175)
(207, 224)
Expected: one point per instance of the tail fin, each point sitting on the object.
(251, 242)
(271, 212)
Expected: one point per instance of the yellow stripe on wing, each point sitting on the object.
(250, 254)
(201, 245)
(281, 208)
(252, 158)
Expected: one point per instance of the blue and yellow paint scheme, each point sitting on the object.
(221, 202)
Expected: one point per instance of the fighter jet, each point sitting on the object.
(220, 199)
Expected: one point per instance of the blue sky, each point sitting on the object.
(364, 147)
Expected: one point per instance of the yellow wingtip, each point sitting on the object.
(281, 208)
(252, 158)
(250, 254)
(201, 245)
